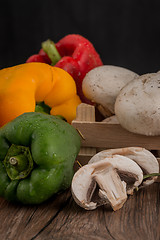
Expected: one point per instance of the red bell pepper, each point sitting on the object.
(36, 58)
(73, 53)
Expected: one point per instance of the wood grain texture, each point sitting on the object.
(101, 134)
(86, 113)
(104, 135)
(61, 218)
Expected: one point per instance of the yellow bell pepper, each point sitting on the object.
(22, 86)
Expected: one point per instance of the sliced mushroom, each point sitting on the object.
(137, 106)
(114, 177)
(128, 170)
(112, 189)
(83, 187)
(102, 84)
(144, 158)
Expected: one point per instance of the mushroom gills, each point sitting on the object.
(129, 178)
(96, 197)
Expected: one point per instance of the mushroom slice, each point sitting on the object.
(128, 170)
(144, 158)
(137, 105)
(105, 182)
(83, 187)
(112, 189)
(102, 85)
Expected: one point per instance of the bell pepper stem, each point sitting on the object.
(13, 161)
(49, 47)
(18, 162)
(42, 107)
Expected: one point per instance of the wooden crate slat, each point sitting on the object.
(103, 135)
(97, 136)
(85, 113)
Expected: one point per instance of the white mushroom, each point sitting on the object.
(106, 181)
(144, 158)
(102, 84)
(111, 120)
(137, 106)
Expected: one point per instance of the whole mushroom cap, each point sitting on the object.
(102, 84)
(137, 106)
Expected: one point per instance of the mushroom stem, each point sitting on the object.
(112, 188)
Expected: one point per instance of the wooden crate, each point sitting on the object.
(97, 136)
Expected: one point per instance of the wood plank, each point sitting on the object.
(61, 218)
(103, 135)
(85, 113)
(97, 136)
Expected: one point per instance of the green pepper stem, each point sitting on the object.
(42, 107)
(49, 47)
(18, 162)
(13, 161)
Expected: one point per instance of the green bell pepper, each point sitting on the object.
(37, 153)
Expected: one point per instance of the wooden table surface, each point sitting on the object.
(61, 218)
